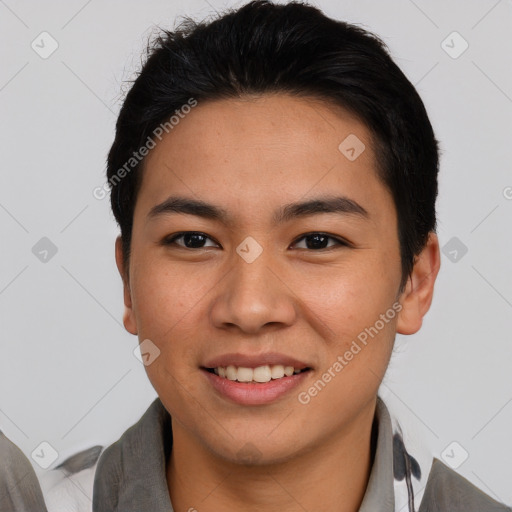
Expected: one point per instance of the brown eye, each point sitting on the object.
(319, 241)
(189, 240)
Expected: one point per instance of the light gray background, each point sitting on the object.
(68, 375)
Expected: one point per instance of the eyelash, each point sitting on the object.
(339, 241)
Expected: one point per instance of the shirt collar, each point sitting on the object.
(131, 473)
(379, 493)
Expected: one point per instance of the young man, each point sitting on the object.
(274, 176)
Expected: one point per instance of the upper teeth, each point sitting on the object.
(259, 374)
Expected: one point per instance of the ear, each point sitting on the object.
(129, 320)
(417, 295)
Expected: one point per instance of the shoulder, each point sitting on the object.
(447, 490)
(75, 484)
(19, 486)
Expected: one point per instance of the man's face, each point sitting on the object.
(305, 301)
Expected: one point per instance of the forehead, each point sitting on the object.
(268, 121)
(260, 149)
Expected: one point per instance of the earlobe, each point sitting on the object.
(417, 295)
(129, 320)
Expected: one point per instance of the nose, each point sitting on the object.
(253, 296)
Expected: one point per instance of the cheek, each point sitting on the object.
(358, 320)
(163, 293)
(349, 298)
(354, 314)
(167, 303)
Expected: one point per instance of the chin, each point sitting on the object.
(258, 451)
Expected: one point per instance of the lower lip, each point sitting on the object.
(247, 393)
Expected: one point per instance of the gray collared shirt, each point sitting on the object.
(136, 466)
(130, 475)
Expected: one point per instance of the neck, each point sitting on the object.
(331, 476)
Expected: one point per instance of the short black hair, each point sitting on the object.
(292, 48)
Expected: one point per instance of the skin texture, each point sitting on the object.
(251, 156)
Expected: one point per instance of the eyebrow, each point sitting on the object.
(330, 204)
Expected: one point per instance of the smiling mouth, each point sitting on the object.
(258, 375)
